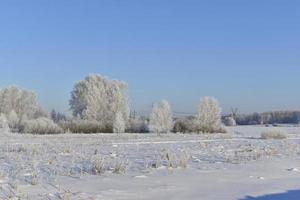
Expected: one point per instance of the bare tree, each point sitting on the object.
(234, 112)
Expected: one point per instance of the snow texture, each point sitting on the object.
(236, 165)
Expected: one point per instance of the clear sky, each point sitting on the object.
(244, 52)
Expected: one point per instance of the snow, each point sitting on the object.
(237, 165)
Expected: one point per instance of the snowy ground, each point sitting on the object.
(238, 165)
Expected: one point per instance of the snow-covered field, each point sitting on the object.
(237, 165)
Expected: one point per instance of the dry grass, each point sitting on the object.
(274, 134)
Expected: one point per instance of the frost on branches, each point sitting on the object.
(161, 119)
(41, 125)
(99, 98)
(3, 124)
(209, 116)
(119, 123)
(13, 120)
(18, 105)
(22, 102)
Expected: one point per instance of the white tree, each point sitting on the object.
(161, 119)
(23, 102)
(99, 98)
(209, 115)
(119, 123)
(3, 124)
(13, 120)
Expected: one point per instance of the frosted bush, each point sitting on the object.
(83, 126)
(41, 126)
(209, 116)
(13, 121)
(274, 134)
(229, 121)
(183, 126)
(120, 166)
(161, 119)
(98, 165)
(137, 125)
(174, 159)
(3, 123)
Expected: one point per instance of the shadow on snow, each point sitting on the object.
(290, 195)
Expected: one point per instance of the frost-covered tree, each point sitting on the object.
(209, 116)
(19, 105)
(40, 112)
(13, 120)
(119, 123)
(99, 98)
(161, 119)
(3, 124)
(22, 102)
(57, 116)
(53, 115)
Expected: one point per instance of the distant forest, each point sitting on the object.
(275, 117)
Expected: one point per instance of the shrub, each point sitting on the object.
(274, 134)
(137, 125)
(3, 123)
(84, 126)
(120, 166)
(98, 165)
(13, 121)
(183, 126)
(40, 126)
(229, 121)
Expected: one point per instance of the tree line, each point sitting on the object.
(275, 117)
(101, 105)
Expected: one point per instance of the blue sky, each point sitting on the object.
(244, 52)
